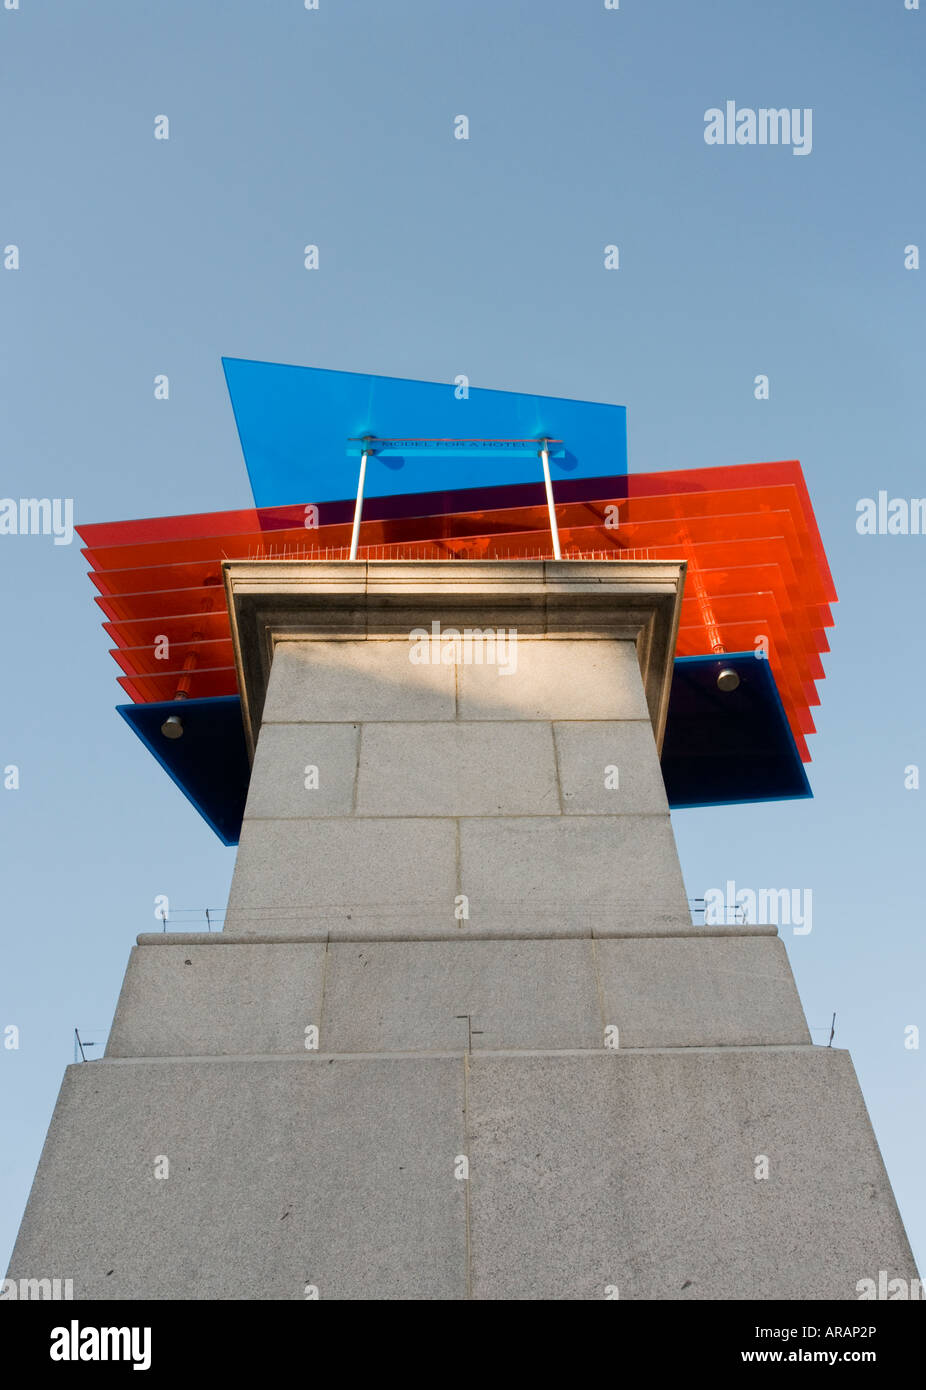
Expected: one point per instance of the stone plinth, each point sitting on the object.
(459, 1038)
(510, 773)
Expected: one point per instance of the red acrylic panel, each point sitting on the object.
(756, 565)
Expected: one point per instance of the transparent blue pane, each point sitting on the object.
(295, 423)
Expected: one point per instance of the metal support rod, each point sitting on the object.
(189, 666)
(548, 484)
(358, 509)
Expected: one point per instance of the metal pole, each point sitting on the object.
(548, 484)
(358, 509)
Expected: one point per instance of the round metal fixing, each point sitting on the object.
(728, 679)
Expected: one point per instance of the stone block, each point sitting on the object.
(592, 757)
(443, 769)
(337, 1173)
(637, 1171)
(557, 679)
(284, 754)
(411, 996)
(355, 680)
(700, 992)
(345, 878)
(571, 875)
(218, 1000)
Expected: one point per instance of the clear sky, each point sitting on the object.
(440, 256)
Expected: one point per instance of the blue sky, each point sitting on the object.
(437, 257)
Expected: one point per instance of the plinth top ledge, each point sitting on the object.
(271, 601)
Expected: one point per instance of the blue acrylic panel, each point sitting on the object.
(209, 763)
(294, 424)
(723, 747)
